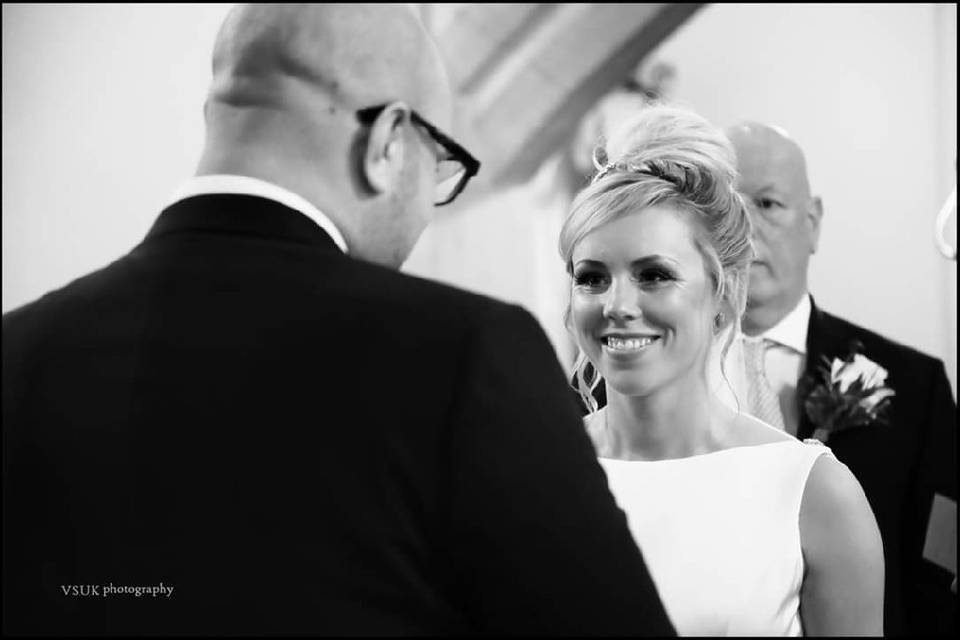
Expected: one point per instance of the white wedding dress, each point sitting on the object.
(720, 534)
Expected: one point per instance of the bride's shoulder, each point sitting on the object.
(831, 495)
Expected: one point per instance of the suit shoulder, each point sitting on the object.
(56, 302)
(881, 346)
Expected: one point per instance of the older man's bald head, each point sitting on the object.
(344, 56)
(786, 220)
(768, 153)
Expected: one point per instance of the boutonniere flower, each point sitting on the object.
(847, 393)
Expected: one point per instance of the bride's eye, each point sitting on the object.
(590, 279)
(655, 276)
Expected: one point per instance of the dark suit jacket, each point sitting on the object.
(298, 442)
(901, 465)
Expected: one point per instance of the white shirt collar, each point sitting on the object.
(245, 185)
(791, 331)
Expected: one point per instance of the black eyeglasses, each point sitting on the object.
(453, 171)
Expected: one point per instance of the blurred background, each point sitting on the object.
(102, 119)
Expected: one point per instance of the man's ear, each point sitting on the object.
(814, 216)
(383, 156)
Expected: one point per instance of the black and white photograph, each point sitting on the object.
(445, 319)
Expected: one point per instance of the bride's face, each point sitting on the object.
(643, 303)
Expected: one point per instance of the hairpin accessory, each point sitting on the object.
(653, 170)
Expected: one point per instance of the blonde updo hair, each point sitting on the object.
(668, 155)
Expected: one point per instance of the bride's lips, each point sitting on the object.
(627, 344)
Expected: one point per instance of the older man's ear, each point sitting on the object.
(814, 216)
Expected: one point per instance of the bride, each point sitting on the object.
(746, 530)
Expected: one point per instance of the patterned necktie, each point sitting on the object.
(762, 400)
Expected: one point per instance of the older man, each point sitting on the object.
(233, 414)
(908, 466)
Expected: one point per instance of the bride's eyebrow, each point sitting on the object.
(654, 260)
(588, 262)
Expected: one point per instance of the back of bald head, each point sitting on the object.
(762, 149)
(325, 57)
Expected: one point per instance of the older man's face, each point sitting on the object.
(786, 221)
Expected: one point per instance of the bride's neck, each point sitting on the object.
(673, 422)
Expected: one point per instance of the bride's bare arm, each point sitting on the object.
(842, 590)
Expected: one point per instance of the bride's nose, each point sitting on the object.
(622, 301)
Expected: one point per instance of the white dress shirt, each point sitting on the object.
(244, 185)
(784, 361)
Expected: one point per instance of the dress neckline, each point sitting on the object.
(700, 455)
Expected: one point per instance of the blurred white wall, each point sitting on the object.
(102, 118)
(869, 91)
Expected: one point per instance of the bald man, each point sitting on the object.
(235, 414)
(907, 467)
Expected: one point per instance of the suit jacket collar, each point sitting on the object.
(249, 186)
(234, 214)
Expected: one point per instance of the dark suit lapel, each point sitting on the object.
(825, 339)
(815, 349)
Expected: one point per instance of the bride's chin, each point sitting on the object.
(626, 384)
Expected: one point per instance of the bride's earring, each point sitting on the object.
(718, 321)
